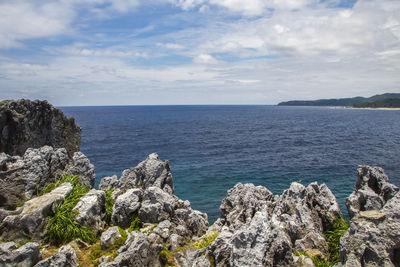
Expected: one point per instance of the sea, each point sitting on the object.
(211, 148)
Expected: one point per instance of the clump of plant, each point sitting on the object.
(72, 179)
(205, 240)
(109, 205)
(62, 227)
(136, 224)
(96, 252)
(333, 235)
(167, 257)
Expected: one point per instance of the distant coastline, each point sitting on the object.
(383, 101)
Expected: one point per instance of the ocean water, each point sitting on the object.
(211, 148)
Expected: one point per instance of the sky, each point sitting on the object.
(166, 52)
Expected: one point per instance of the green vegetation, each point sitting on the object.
(62, 226)
(340, 101)
(136, 224)
(205, 240)
(109, 205)
(167, 257)
(96, 252)
(333, 235)
(151, 228)
(2, 104)
(384, 103)
(72, 179)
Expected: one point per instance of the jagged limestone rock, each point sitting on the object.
(32, 124)
(26, 255)
(65, 257)
(108, 183)
(126, 205)
(91, 210)
(109, 236)
(372, 190)
(30, 221)
(23, 177)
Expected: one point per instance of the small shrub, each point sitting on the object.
(62, 226)
(205, 240)
(135, 224)
(333, 235)
(109, 205)
(167, 258)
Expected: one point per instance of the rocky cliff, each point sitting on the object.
(32, 124)
(136, 220)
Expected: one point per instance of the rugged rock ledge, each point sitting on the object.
(137, 220)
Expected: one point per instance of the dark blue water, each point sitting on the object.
(211, 148)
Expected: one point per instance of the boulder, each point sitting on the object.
(109, 236)
(372, 190)
(30, 221)
(65, 256)
(108, 183)
(91, 210)
(257, 228)
(32, 124)
(137, 251)
(150, 172)
(373, 238)
(125, 207)
(26, 255)
(23, 177)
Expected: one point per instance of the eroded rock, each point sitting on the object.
(26, 255)
(66, 256)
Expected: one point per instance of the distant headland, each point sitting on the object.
(388, 100)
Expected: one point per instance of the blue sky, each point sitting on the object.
(134, 52)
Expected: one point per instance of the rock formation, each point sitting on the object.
(22, 177)
(373, 238)
(32, 124)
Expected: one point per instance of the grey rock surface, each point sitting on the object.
(109, 236)
(26, 255)
(23, 177)
(150, 172)
(108, 183)
(125, 206)
(91, 210)
(30, 221)
(372, 190)
(65, 257)
(373, 238)
(32, 124)
(137, 251)
(257, 228)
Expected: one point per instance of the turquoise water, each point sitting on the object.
(211, 148)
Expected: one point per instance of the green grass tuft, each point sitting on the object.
(62, 226)
(205, 240)
(167, 258)
(72, 179)
(333, 235)
(109, 205)
(136, 224)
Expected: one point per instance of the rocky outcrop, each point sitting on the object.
(30, 220)
(372, 190)
(32, 124)
(150, 172)
(257, 228)
(23, 177)
(65, 256)
(26, 255)
(109, 236)
(373, 238)
(91, 210)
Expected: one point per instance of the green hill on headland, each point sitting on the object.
(388, 100)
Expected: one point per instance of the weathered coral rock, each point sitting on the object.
(109, 236)
(137, 251)
(32, 124)
(126, 206)
(66, 257)
(257, 228)
(373, 238)
(30, 221)
(91, 210)
(372, 190)
(23, 177)
(27, 255)
(150, 172)
(108, 183)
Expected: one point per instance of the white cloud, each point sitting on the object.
(205, 59)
